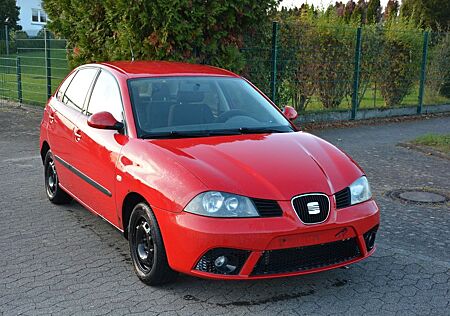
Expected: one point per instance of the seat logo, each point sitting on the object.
(313, 208)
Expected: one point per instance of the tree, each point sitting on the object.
(9, 12)
(391, 10)
(373, 11)
(348, 11)
(189, 30)
(359, 14)
(432, 13)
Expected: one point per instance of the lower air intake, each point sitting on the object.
(307, 258)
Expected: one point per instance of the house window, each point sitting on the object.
(38, 16)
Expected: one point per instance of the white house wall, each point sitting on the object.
(26, 7)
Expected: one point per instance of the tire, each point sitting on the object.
(54, 192)
(147, 248)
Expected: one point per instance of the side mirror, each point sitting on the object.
(104, 120)
(290, 113)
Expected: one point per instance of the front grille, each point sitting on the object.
(306, 258)
(307, 209)
(369, 238)
(343, 198)
(235, 258)
(267, 208)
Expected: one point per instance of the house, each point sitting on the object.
(32, 17)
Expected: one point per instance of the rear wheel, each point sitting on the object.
(54, 192)
(147, 247)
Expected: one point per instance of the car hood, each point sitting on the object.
(269, 166)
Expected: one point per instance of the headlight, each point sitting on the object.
(360, 191)
(220, 204)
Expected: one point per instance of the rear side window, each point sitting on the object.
(64, 86)
(78, 88)
(106, 97)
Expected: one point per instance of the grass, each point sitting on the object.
(435, 141)
(34, 83)
(372, 99)
(33, 73)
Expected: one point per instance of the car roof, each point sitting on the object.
(139, 69)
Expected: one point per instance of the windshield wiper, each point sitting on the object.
(189, 134)
(220, 132)
(174, 134)
(258, 130)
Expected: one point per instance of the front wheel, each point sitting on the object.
(54, 192)
(147, 247)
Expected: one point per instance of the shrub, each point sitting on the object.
(370, 65)
(318, 59)
(195, 31)
(438, 71)
(333, 43)
(399, 59)
(296, 59)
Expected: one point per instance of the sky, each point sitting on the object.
(320, 3)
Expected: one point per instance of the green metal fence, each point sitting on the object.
(31, 68)
(342, 68)
(314, 68)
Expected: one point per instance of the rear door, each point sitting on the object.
(99, 149)
(64, 110)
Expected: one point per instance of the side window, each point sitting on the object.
(64, 86)
(106, 97)
(78, 88)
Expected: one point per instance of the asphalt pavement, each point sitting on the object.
(64, 260)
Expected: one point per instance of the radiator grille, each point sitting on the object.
(312, 208)
(306, 258)
(267, 208)
(343, 198)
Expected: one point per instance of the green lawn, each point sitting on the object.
(34, 84)
(33, 73)
(438, 142)
(373, 99)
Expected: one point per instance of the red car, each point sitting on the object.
(203, 173)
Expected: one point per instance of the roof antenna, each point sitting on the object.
(131, 50)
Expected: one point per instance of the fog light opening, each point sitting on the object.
(221, 264)
(369, 238)
(222, 261)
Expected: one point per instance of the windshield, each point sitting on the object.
(201, 106)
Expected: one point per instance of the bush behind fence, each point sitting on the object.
(318, 66)
(311, 66)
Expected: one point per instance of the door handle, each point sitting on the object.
(77, 133)
(51, 117)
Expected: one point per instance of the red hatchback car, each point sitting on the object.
(203, 174)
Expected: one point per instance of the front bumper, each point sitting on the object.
(188, 237)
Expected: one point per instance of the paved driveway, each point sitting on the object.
(64, 260)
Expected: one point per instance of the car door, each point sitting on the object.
(99, 149)
(64, 110)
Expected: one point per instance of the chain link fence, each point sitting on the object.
(314, 68)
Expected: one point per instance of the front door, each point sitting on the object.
(99, 149)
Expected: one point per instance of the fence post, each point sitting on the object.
(48, 66)
(273, 73)
(7, 39)
(423, 72)
(356, 73)
(19, 80)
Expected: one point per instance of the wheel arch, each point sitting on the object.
(130, 200)
(45, 147)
